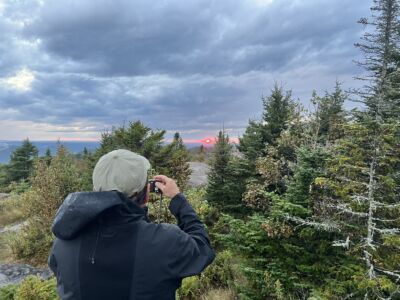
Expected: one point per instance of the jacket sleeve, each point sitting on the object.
(192, 248)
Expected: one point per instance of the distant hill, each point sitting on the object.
(7, 147)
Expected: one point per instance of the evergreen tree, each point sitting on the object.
(381, 59)
(361, 193)
(225, 188)
(135, 137)
(329, 115)
(171, 160)
(47, 157)
(288, 245)
(252, 143)
(278, 109)
(178, 161)
(21, 161)
(217, 192)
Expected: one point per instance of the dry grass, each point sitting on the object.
(220, 294)
(10, 211)
(5, 250)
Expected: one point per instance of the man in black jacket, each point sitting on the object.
(106, 247)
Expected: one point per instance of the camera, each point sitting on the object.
(153, 187)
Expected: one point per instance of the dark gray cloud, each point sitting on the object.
(185, 37)
(178, 65)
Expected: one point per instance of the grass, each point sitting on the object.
(5, 250)
(219, 294)
(10, 214)
(10, 211)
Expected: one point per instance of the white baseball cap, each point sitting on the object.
(121, 170)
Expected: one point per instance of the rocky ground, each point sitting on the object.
(3, 196)
(15, 273)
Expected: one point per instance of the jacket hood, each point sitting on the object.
(79, 209)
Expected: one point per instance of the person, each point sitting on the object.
(106, 247)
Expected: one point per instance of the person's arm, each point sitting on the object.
(192, 251)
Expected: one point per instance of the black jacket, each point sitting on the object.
(106, 248)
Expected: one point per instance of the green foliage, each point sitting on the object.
(220, 275)
(176, 164)
(8, 292)
(171, 159)
(21, 161)
(225, 184)
(361, 191)
(329, 115)
(278, 109)
(32, 288)
(196, 198)
(10, 210)
(50, 185)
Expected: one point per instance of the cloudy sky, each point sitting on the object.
(71, 69)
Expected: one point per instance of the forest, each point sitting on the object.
(305, 206)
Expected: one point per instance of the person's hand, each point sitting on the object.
(167, 186)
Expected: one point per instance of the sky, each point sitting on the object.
(73, 69)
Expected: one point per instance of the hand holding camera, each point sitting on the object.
(166, 185)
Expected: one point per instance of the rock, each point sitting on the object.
(4, 196)
(12, 228)
(15, 273)
(199, 174)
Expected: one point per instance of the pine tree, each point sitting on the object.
(21, 161)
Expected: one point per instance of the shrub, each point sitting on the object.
(50, 185)
(195, 196)
(220, 275)
(8, 292)
(32, 288)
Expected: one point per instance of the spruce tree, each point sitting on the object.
(278, 108)
(217, 192)
(381, 60)
(178, 161)
(225, 179)
(329, 115)
(277, 112)
(47, 157)
(21, 161)
(361, 195)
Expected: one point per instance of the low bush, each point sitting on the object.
(50, 185)
(220, 275)
(32, 288)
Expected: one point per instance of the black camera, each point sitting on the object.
(153, 187)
